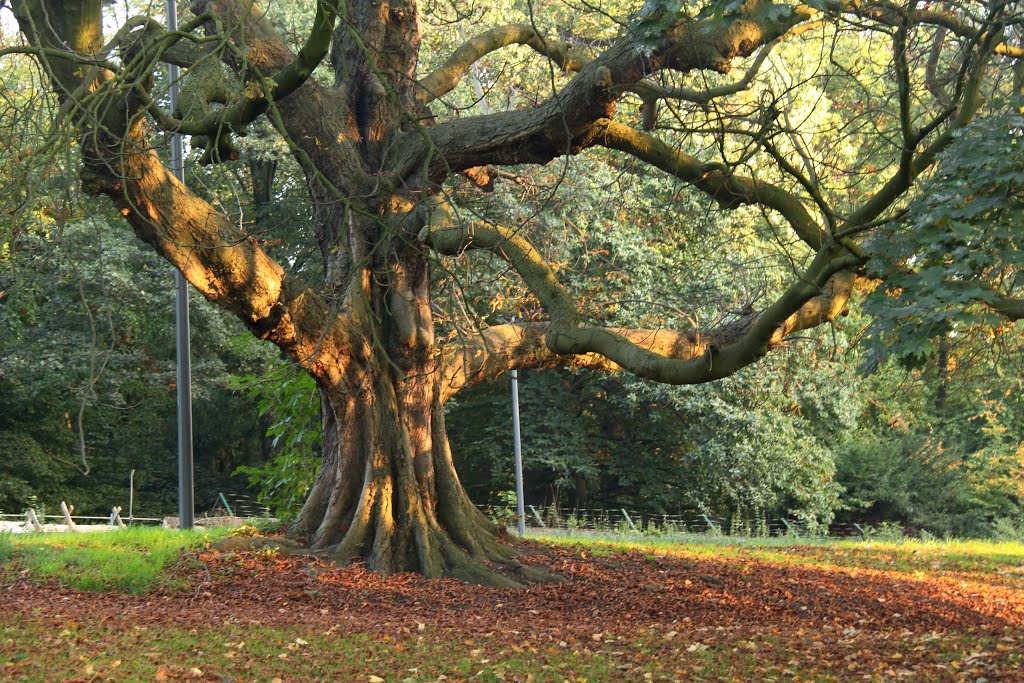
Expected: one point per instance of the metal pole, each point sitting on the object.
(520, 503)
(186, 501)
(226, 506)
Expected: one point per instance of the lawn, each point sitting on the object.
(632, 609)
(132, 560)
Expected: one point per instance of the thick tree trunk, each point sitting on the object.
(387, 490)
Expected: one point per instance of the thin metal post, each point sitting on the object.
(536, 515)
(520, 503)
(186, 501)
(629, 519)
(226, 506)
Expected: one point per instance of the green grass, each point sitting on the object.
(6, 546)
(135, 559)
(130, 560)
(289, 653)
(294, 653)
(233, 651)
(908, 556)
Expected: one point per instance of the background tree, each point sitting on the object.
(87, 374)
(395, 174)
(86, 342)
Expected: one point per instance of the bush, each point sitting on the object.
(289, 397)
(1008, 528)
(907, 480)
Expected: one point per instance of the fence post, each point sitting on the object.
(628, 519)
(67, 510)
(31, 521)
(536, 516)
(859, 528)
(115, 517)
(711, 525)
(789, 527)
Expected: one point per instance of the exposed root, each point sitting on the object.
(388, 491)
(285, 546)
(534, 574)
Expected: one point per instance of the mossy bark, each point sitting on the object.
(387, 490)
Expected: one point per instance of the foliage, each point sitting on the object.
(26, 469)
(938, 448)
(620, 442)
(87, 379)
(911, 478)
(1009, 528)
(504, 512)
(753, 444)
(959, 248)
(287, 399)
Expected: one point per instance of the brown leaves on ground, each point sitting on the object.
(831, 622)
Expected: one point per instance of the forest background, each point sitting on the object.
(906, 410)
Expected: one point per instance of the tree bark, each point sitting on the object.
(387, 489)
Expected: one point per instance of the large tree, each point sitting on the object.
(387, 161)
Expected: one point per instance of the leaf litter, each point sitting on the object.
(642, 617)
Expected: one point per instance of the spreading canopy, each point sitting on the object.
(940, 62)
(837, 111)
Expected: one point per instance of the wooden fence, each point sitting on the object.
(632, 521)
(34, 521)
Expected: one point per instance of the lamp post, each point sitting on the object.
(183, 354)
(518, 451)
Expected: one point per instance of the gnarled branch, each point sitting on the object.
(450, 236)
(565, 124)
(715, 180)
(666, 355)
(444, 79)
(221, 261)
(672, 357)
(266, 53)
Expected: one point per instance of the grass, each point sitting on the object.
(237, 649)
(130, 560)
(289, 653)
(907, 556)
(135, 559)
(297, 654)
(6, 546)
(233, 651)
